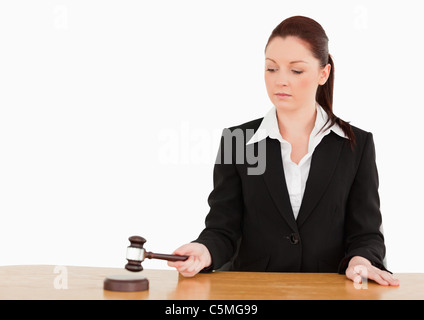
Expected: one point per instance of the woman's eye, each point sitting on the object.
(294, 71)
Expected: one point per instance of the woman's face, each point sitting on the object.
(290, 68)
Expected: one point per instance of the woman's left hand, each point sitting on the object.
(360, 267)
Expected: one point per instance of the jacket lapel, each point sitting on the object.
(323, 163)
(276, 181)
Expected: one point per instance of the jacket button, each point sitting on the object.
(293, 238)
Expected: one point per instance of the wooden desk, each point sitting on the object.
(39, 282)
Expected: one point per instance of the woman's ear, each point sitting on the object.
(324, 74)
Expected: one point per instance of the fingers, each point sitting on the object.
(381, 277)
(174, 264)
(392, 281)
(358, 272)
(190, 268)
(187, 268)
(180, 264)
(354, 273)
(199, 258)
(373, 275)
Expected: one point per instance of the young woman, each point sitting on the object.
(315, 206)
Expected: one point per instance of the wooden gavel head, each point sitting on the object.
(136, 254)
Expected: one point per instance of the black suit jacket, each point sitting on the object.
(251, 226)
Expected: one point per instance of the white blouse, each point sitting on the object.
(296, 174)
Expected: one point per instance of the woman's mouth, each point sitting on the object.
(283, 95)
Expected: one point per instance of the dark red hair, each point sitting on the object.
(312, 33)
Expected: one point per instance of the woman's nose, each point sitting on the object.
(282, 82)
(281, 79)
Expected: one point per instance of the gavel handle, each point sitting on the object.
(169, 257)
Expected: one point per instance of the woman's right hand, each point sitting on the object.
(199, 258)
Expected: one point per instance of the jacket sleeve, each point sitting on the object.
(223, 222)
(363, 236)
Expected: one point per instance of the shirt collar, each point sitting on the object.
(269, 126)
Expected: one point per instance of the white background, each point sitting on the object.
(111, 114)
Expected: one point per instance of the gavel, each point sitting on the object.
(136, 254)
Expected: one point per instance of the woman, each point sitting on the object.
(315, 206)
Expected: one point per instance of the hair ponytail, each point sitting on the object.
(324, 97)
(324, 94)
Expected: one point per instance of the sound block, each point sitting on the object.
(125, 283)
